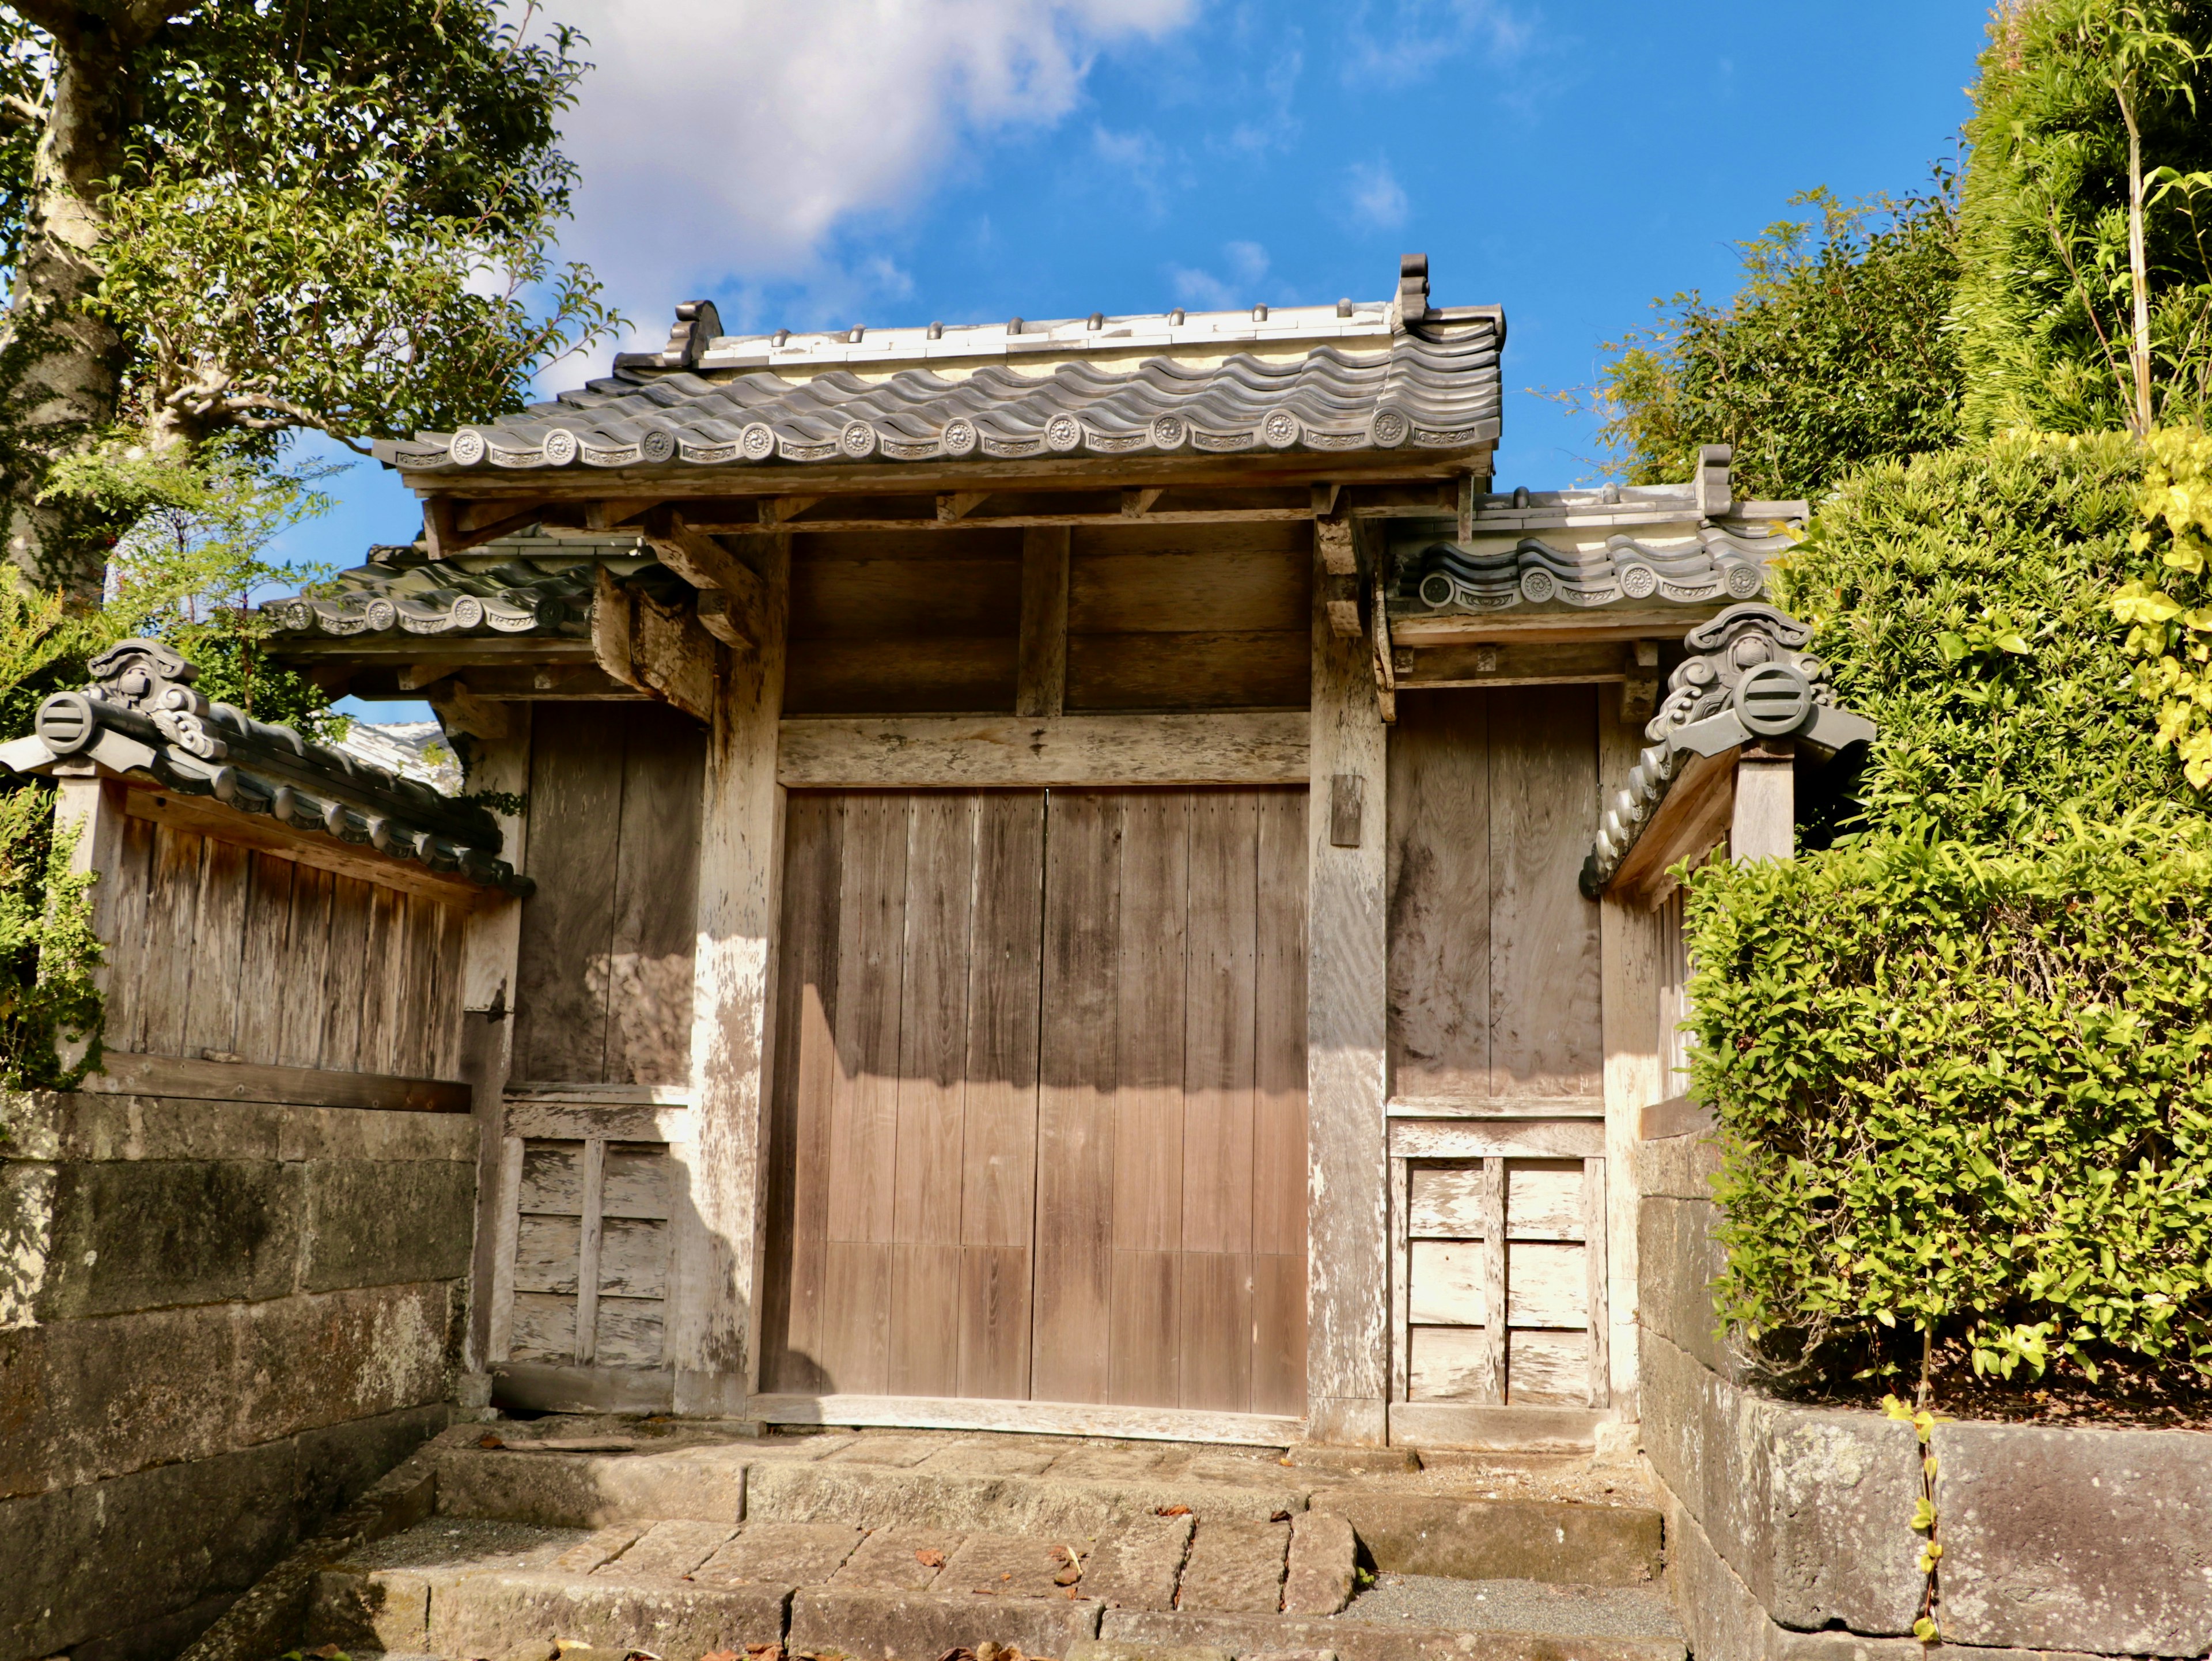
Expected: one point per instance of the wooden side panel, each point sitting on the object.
(1440, 880)
(568, 925)
(1278, 1108)
(124, 912)
(171, 905)
(888, 624)
(648, 974)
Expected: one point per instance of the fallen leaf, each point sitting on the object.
(720, 1655)
(930, 1558)
(488, 1439)
(758, 1651)
(1068, 1576)
(1280, 1516)
(1172, 1511)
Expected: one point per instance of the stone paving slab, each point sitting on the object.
(485, 1615)
(1137, 1565)
(893, 1559)
(667, 1551)
(868, 1626)
(1009, 1566)
(1504, 1539)
(780, 1554)
(1324, 1563)
(1253, 1636)
(603, 1545)
(1235, 1567)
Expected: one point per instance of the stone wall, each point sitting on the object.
(219, 1323)
(1789, 1527)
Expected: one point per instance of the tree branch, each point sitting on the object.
(17, 111)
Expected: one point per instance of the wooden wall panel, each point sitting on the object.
(1438, 820)
(603, 991)
(886, 623)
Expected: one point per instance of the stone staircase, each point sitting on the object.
(681, 1539)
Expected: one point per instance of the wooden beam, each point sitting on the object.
(612, 626)
(133, 1074)
(956, 505)
(1347, 1283)
(89, 807)
(608, 514)
(1692, 818)
(536, 683)
(1137, 500)
(713, 1313)
(981, 752)
(1763, 823)
(781, 510)
(1045, 1418)
(1424, 633)
(1509, 664)
(1385, 656)
(453, 525)
(459, 710)
(661, 650)
(707, 565)
(1041, 676)
(447, 652)
(1324, 499)
(313, 849)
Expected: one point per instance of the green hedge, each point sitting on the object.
(1959, 1057)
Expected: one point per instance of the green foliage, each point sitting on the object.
(2169, 608)
(51, 1010)
(1962, 600)
(1832, 354)
(2046, 298)
(1966, 1091)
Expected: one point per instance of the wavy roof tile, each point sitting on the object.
(1312, 378)
(531, 586)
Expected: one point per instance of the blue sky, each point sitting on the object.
(889, 161)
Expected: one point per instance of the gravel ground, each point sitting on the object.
(450, 1541)
(1516, 1606)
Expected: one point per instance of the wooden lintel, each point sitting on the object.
(781, 510)
(535, 682)
(1692, 816)
(955, 505)
(1532, 627)
(1023, 753)
(614, 511)
(131, 1073)
(1510, 663)
(1137, 500)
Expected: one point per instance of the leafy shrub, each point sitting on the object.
(2169, 607)
(1968, 1093)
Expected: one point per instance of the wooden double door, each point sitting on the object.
(1039, 1112)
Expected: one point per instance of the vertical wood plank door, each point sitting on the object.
(1038, 1123)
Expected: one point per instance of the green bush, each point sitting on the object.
(1965, 1092)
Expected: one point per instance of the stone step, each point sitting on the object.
(685, 1588)
(1052, 1489)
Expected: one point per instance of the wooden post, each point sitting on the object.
(1347, 1257)
(713, 1327)
(1041, 686)
(488, 963)
(1635, 1077)
(92, 808)
(1765, 826)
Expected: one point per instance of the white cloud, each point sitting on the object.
(725, 141)
(1414, 36)
(1246, 264)
(1378, 199)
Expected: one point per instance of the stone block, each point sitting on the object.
(1138, 1564)
(1237, 1567)
(1503, 1539)
(879, 1496)
(148, 1235)
(781, 1554)
(1359, 1462)
(894, 1560)
(1842, 1487)
(27, 1233)
(334, 1357)
(386, 1610)
(1109, 1649)
(1251, 1636)
(487, 1613)
(1008, 1566)
(876, 1626)
(603, 1547)
(2097, 1540)
(373, 1223)
(590, 1491)
(1323, 1561)
(668, 1551)
(1677, 1259)
(1678, 1167)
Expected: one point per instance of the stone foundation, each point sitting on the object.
(220, 1322)
(1789, 1527)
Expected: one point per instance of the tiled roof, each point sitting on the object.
(142, 715)
(1313, 379)
(529, 585)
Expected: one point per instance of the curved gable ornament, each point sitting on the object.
(1748, 678)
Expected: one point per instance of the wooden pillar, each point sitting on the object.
(1041, 687)
(713, 1333)
(488, 951)
(1347, 1184)
(1765, 826)
(1635, 1077)
(90, 808)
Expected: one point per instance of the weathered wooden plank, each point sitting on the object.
(345, 985)
(888, 587)
(1549, 1369)
(137, 1073)
(1763, 824)
(1279, 1103)
(1494, 1266)
(897, 676)
(265, 971)
(588, 1250)
(1694, 815)
(1117, 590)
(574, 1121)
(1151, 1019)
(1218, 1027)
(383, 980)
(1544, 1200)
(1445, 1281)
(1444, 1202)
(552, 1179)
(545, 1254)
(1278, 1330)
(544, 1326)
(1401, 1269)
(124, 920)
(856, 1306)
(1041, 678)
(1039, 1417)
(1448, 1363)
(506, 1207)
(307, 953)
(1598, 1281)
(1546, 1284)
(924, 1340)
(218, 950)
(173, 903)
(637, 1183)
(414, 960)
(1510, 663)
(1015, 752)
(1347, 1299)
(1481, 1429)
(1265, 669)
(1545, 1017)
(871, 966)
(629, 1332)
(1070, 1360)
(714, 1326)
(655, 903)
(568, 925)
(1497, 1107)
(1488, 1139)
(997, 1193)
(1144, 1342)
(1214, 1298)
(1440, 877)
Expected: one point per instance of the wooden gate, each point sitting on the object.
(1039, 1110)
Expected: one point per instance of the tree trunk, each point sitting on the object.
(61, 368)
(2138, 268)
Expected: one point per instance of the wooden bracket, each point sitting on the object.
(1386, 667)
(739, 594)
(663, 651)
(1338, 556)
(460, 710)
(452, 527)
(1639, 687)
(1324, 500)
(781, 510)
(956, 505)
(616, 511)
(1137, 500)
